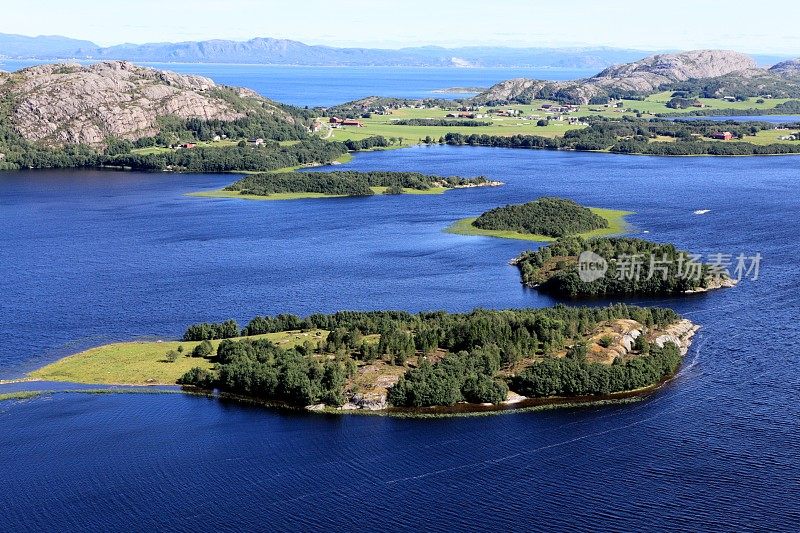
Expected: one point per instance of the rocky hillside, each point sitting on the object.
(724, 70)
(73, 104)
(787, 68)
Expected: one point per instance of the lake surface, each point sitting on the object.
(326, 86)
(87, 257)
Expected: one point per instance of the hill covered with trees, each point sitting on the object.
(634, 267)
(552, 217)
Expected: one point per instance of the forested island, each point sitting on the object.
(291, 185)
(545, 219)
(396, 360)
(635, 267)
(553, 217)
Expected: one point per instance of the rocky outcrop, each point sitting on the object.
(680, 334)
(625, 332)
(73, 104)
(367, 402)
(640, 77)
(650, 73)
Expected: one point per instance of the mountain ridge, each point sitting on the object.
(713, 72)
(266, 50)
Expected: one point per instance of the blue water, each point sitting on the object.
(326, 86)
(90, 256)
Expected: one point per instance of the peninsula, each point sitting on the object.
(400, 362)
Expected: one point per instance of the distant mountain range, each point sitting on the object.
(288, 52)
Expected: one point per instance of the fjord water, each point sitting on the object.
(87, 257)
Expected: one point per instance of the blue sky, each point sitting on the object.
(642, 24)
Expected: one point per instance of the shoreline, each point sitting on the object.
(681, 333)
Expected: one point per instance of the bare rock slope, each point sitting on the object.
(63, 104)
(640, 77)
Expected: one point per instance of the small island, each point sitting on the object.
(337, 184)
(620, 266)
(398, 362)
(545, 219)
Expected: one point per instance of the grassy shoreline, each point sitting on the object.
(615, 218)
(141, 362)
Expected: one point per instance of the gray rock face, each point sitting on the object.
(644, 76)
(787, 68)
(651, 72)
(64, 104)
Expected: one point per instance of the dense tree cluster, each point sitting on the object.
(635, 267)
(464, 376)
(260, 369)
(553, 217)
(681, 103)
(467, 350)
(500, 141)
(576, 377)
(449, 122)
(342, 183)
(210, 331)
(367, 143)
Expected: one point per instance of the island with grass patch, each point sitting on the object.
(545, 219)
(629, 267)
(404, 363)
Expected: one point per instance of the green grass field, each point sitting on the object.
(504, 126)
(144, 363)
(656, 103)
(616, 225)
